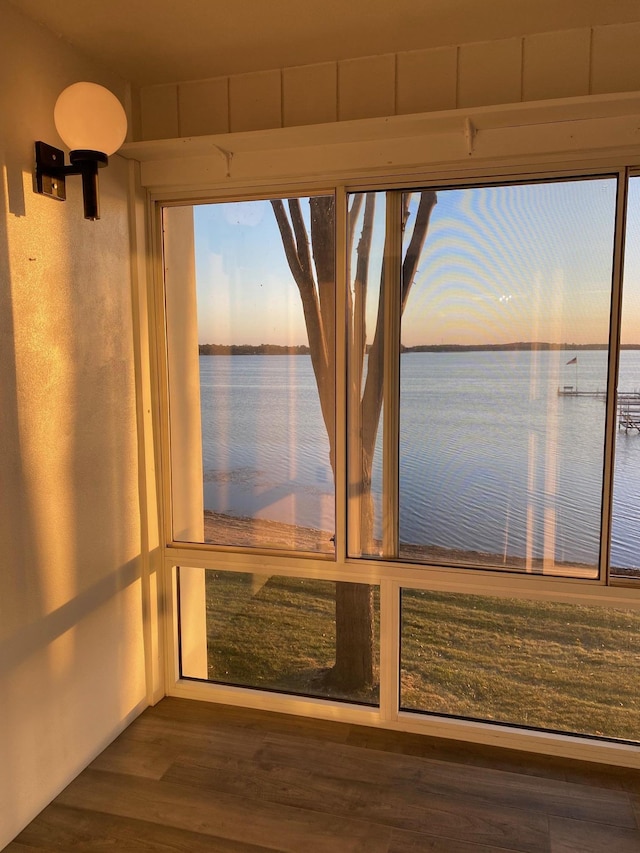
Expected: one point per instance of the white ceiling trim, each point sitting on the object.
(569, 129)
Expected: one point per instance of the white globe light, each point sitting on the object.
(90, 117)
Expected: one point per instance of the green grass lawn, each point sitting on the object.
(546, 665)
(277, 635)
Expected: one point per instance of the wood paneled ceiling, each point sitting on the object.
(162, 41)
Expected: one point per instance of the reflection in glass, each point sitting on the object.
(276, 633)
(541, 665)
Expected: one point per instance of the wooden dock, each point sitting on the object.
(571, 391)
(629, 412)
(628, 404)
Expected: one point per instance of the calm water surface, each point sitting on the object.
(491, 458)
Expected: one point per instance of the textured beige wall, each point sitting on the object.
(559, 64)
(71, 650)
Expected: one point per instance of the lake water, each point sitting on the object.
(491, 457)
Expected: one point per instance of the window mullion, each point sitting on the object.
(389, 650)
(391, 374)
(356, 332)
(340, 376)
(613, 369)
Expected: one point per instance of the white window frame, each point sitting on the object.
(569, 138)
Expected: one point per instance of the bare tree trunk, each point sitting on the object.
(353, 668)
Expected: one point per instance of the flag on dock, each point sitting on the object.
(573, 360)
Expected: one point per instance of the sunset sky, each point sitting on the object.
(500, 264)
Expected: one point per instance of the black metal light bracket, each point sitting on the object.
(51, 173)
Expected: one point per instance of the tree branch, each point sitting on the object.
(352, 221)
(308, 295)
(428, 200)
(372, 394)
(302, 239)
(323, 237)
(361, 281)
(318, 344)
(322, 210)
(288, 242)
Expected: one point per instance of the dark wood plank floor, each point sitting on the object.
(190, 776)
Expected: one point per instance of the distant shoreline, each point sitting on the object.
(519, 346)
(241, 531)
(249, 349)
(516, 346)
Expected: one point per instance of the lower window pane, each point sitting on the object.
(279, 633)
(543, 665)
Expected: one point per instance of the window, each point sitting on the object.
(499, 360)
(251, 373)
(276, 633)
(398, 473)
(545, 665)
(250, 294)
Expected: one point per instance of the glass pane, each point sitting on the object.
(625, 535)
(250, 311)
(365, 253)
(278, 633)
(503, 370)
(542, 665)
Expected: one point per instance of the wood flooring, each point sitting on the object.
(192, 776)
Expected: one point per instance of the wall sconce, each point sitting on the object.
(92, 122)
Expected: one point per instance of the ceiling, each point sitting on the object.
(162, 41)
